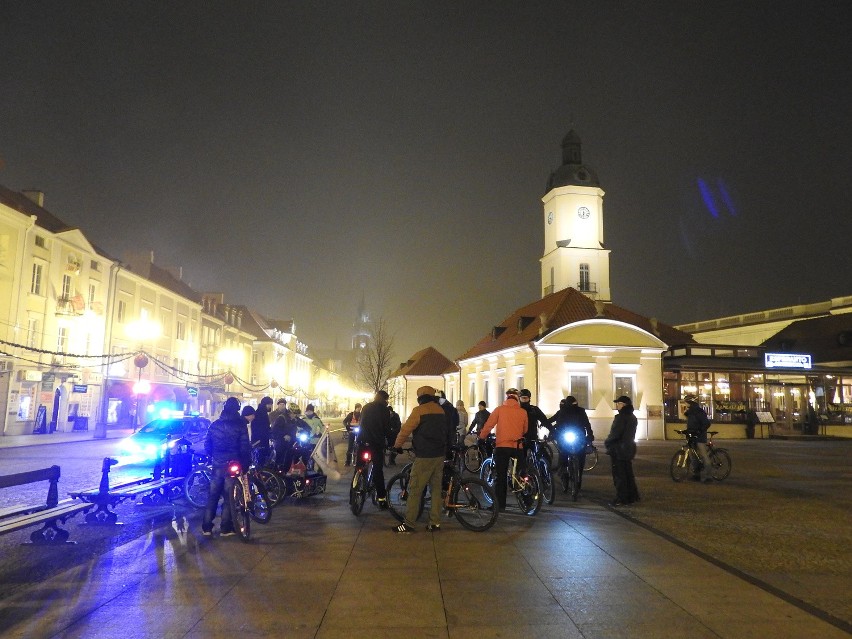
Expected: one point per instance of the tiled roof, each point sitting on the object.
(560, 309)
(429, 361)
(25, 205)
(828, 339)
(165, 279)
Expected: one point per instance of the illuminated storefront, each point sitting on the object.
(784, 393)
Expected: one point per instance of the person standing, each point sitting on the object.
(464, 418)
(697, 424)
(315, 423)
(427, 427)
(260, 430)
(621, 447)
(479, 419)
(375, 425)
(352, 422)
(248, 413)
(572, 416)
(452, 416)
(510, 423)
(395, 427)
(227, 440)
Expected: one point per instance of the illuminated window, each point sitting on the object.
(579, 385)
(624, 385)
(66, 287)
(62, 339)
(36, 283)
(585, 280)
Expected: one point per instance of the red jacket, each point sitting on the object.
(511, 423)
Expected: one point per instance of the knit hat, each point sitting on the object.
(232, 405)
(425, 390)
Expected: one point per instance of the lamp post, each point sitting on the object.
(141, 387)
(141, 330)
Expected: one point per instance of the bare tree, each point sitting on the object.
(374, 362)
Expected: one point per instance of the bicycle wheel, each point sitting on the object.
(240, 512)
(591, 458)
(486, 472)
(721, 461)
(548, 488)
(472, 458)
(357, 492)
(474, 504)
(574, 472)
(398, 496)
(274, 485)
(196, 487)
(260, 507)
(529, 494)
(679, 466)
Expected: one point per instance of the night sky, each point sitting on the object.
(301, 155)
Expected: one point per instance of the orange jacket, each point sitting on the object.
(511, 423)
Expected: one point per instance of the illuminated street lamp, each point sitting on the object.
(142, 330)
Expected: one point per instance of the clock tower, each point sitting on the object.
(574, 253)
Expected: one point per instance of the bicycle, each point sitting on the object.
(474, 454)
(537, 458)
(591, 457)
(362, 480)
(240, 498)
(687, 458)
(196, 486)
(526, 487)
(469, 499)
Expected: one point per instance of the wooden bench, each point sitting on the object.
(153, 490)
(50, 514)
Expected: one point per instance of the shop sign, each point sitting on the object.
(33, 376)
(47, 381)
(192, 391)
(787, 360)
(80, 388)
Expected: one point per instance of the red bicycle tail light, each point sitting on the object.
(366, 456)
(234, 469)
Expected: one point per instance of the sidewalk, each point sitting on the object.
(575, 570)
(15, 441)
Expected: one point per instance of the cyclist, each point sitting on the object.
(227, 440)
(375, 424)
(352, 423)
(535, 417)
(571, 417)
(479, 419)
(697, 424)
(427, 426)
(510, 422)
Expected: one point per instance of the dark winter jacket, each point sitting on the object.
(375, 424)
(697, 422)
(620, 443)
(572, 416)
(227, 440)
(260, 427)
(395, 427)
(479, 420)
(534, 418)
(428, 428)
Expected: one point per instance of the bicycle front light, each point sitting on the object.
(303, 437)
(570, 437)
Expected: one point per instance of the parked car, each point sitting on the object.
(151, 440)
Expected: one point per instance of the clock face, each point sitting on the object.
(583, 212)
(550, 218)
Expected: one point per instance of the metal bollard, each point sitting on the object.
(103, 489)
